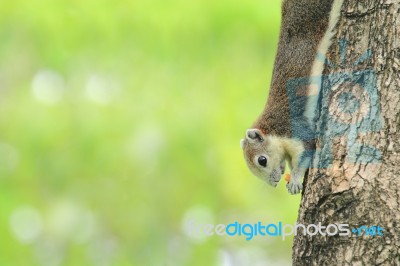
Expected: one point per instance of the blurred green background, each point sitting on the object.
(120, 122)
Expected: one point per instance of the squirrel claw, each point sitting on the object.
(294, 187)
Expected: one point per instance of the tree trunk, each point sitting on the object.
(354, 177)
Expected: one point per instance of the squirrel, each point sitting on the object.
(306, 31)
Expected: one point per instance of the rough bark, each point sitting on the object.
(350, 182)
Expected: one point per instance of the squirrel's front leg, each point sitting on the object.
(295, 184)
(300, 162)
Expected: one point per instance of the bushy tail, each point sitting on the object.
(319, 63)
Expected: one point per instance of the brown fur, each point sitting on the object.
(304, 23)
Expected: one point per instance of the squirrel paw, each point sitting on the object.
(294, 187)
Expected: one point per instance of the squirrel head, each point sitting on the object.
(263, 155)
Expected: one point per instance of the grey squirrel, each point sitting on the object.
(306, 31)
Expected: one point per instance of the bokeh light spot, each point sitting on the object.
(101, 90)
(48, 86)
(26, 224)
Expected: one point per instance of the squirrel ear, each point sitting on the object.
(254, 134)
(242, 143)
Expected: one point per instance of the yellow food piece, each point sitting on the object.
(287, 177)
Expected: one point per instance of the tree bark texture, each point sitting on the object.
(355, 175)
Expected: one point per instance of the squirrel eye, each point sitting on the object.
(262, 161)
